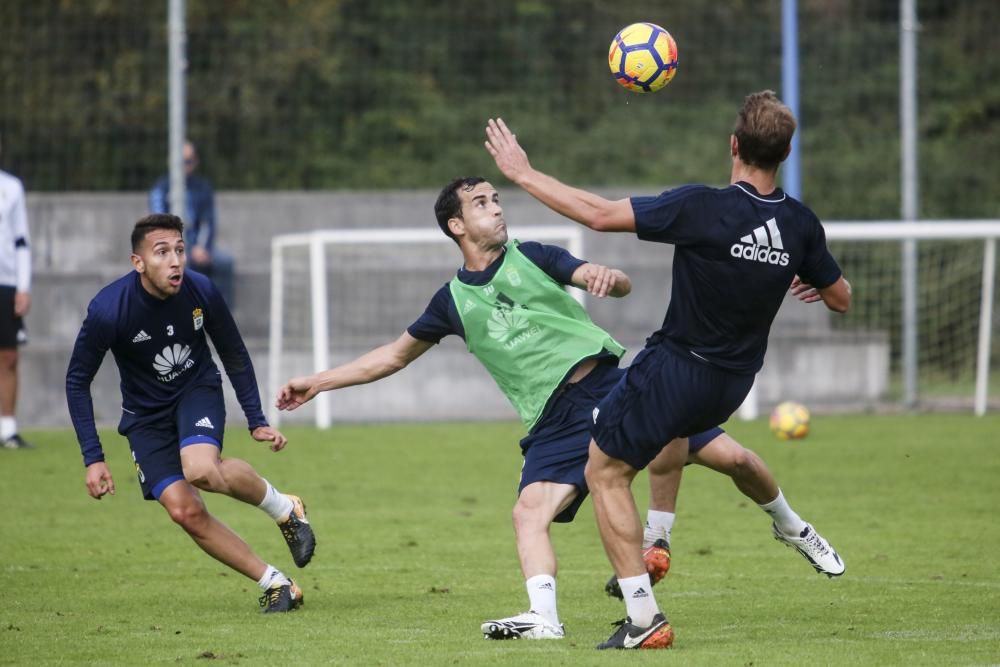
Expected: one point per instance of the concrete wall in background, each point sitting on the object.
(81, 242)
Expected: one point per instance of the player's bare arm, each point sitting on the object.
(586, 208)
(601, 281)
(22, 303)
(837, 296)
(99, 480)
(379, 363)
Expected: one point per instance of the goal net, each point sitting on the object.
(919, 334)
(919, 331)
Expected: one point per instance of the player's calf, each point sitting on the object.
(657, 559)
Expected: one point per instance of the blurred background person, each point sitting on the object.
(15, 300)
(200, 221)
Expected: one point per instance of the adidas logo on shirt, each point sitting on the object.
(141, 337)
(204, 422)
(763, 245)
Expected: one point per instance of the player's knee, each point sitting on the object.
(658, 466)
(206, 477)
(528, 516)
(744, 463)
(670, 459)
(8, 360)
(190, 515)
(600, 477)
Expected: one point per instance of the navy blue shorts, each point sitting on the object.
(156, 440)
(12, 331)
(698, 441)
(556, 449)
(664, 396)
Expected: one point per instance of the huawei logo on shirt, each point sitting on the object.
(504, 322)
(508, 325)
(172, 361)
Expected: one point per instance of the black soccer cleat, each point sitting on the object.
(298, 533)
(281, 598)
(17, 442)
(659, 634)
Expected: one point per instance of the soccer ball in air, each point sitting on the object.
(643, 57)
(790, 421)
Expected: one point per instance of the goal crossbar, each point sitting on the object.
(316, 242)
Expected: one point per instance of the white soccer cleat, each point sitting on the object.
(528, 625)
(814, 549)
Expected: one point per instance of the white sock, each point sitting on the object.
(658, 527)
(640, 605)
(784, 516)
(542, 596)
(276, 505)
(8, 427)
(272, 577)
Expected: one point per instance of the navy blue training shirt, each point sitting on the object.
(737, 252)
(161, 352)
(441, 317)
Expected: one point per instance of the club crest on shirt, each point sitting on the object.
(514, 277)
(198, 317)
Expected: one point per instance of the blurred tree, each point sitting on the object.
(303, 94)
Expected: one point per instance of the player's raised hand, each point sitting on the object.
(804, 292)
(270, 434)
(507, 153)
(99, 480)
(600, 280)
(296, 392)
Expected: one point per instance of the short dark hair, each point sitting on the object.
(764, 129)
(449, 205)
(151, 222)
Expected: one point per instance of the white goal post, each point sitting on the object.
(316, 243)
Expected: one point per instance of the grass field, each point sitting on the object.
(415, 550)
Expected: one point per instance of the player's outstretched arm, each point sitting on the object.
(99, 480)
(601, 281)
(588, 209)
(379, 363)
